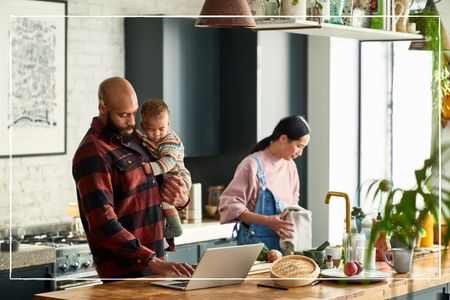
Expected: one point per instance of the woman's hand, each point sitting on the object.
(283, 228)
(174, 192)
(159, 266)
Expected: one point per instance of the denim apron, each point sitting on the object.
(266, 204)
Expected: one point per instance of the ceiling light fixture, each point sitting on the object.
(225, 14)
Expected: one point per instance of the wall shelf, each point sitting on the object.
(332, 30)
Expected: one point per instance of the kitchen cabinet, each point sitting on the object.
(25, 289)
(191, 253)
(185, 253)
(213, 79)
(226, 88)
(208, 83)
(168, 58)
(434, 293)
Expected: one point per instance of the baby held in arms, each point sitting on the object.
(168, 151)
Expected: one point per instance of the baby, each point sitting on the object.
(168, 150)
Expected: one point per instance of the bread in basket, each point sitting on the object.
(294, 270)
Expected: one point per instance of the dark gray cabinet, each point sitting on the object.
(169, 58)
(185, 253)
(212, 80)
(207, 77)
(12, 289)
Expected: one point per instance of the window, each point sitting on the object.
(395, 113)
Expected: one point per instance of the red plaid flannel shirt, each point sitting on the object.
(119, 204)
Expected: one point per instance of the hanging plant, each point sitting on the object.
(428, 23)
(445, 83)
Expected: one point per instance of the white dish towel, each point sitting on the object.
(301, 237)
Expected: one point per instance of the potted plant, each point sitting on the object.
(402, 218)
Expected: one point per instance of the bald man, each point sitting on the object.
(119, 203)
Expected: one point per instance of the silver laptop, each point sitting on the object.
(222, 263)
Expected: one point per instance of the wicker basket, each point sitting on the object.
(296, 270)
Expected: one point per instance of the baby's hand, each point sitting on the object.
(147, 168)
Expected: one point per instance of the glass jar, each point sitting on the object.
(214, 193)
(354, 244)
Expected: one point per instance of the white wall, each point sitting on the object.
(273, 81)
(319, 121)
(332, 113)
(42, 186)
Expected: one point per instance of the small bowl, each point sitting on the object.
(211, 210)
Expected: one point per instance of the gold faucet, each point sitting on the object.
(347, 207)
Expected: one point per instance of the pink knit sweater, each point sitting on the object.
(242, 192)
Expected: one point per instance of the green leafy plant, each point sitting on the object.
(402, 218)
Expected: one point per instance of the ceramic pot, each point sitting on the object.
(257, 7)
(294, 8)
(443, 232)
(403, 9)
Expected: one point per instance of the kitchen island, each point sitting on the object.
(427, 273)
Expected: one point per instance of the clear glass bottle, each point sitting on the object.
(366, 226)
(354, 227)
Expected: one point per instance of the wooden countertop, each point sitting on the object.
(28, 255)
(425, 272)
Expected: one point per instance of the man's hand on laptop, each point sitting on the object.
(159, 266)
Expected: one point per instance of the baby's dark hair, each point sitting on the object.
(294, 127)
(153, 108)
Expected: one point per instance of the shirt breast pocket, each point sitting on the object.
(129, 172)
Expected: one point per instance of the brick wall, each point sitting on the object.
(43, 186)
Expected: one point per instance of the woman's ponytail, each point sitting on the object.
(262, 144)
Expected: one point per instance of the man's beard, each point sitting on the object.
(120, 131)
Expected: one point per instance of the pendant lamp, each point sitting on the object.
(225, 14)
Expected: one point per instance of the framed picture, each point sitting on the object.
(33, 77)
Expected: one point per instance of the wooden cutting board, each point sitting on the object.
(260, 267)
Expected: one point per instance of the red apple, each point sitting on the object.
(273, 255)
(359, 265)
(350, 268)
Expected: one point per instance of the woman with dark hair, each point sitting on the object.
(264, 183)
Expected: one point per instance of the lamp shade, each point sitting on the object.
(230, 13)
